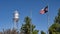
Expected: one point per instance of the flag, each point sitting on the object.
(44, 10)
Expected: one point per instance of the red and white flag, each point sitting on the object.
(44, 10)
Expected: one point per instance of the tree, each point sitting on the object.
(14, 31)
(42, 32)
(57, 18)
(1, 32)
(9, 31)
(26, 27)
(35, 32)
(55, 28)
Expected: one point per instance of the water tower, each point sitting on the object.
(16, 18)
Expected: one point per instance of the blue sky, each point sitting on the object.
(25, 7)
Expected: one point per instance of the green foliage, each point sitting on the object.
(55, 28)
(26, 28)
(59, 12)
(43, 32)
(35, 32)
(57, 18)
(9, 31)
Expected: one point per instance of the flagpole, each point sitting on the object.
(31, 22)
(48, 21)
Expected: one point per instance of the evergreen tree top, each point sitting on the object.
(59, 12)
(57, 18)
